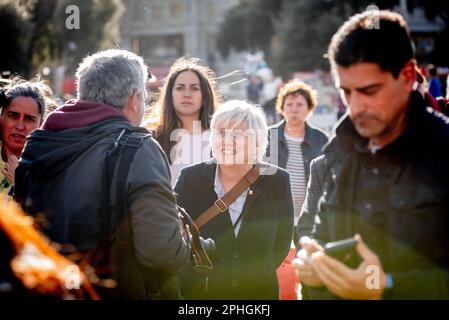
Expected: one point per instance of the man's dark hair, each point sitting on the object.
(380, 37)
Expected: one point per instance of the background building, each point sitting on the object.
(422, 30)
(163, 30)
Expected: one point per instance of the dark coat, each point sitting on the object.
(311, 147)
(309, 216)
(244, 267)
(62, 175)
(397, 199)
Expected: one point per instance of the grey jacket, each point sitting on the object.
(62, 174)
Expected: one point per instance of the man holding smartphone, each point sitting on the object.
(384, 176)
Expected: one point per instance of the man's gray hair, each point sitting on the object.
(110, 77)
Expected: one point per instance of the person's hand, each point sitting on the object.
(366, 282)
(10, 168)
(303, 270)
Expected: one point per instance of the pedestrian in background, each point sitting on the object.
(186, 104)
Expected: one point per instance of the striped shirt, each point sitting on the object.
(295, 166)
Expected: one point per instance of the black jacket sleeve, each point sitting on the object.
(309, 218)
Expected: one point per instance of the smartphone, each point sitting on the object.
(344, 251)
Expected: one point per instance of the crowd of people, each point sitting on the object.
(112, 191)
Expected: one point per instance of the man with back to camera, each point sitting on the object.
(64, 173)
(384, 175)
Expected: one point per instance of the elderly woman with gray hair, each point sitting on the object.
(254, 229)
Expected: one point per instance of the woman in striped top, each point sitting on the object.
(297, 143)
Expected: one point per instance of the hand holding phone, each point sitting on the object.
(344, 251)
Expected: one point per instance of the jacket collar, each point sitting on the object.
(209, 170)
(281, 127)
(347, 137)
(79, 113)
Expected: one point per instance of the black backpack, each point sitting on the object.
(118, 273)
(134, 280)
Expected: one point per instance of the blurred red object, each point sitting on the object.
(69, 85)
(288, 283)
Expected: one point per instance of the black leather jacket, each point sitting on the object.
(397, 199)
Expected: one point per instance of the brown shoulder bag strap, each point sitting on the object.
(221, 205)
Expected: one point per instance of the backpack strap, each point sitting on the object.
(145, 283)
(120, 155)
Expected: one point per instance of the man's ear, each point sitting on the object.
(132, 106)
(135, 101)
(408, 73)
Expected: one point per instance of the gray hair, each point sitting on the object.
(111, 77)
(22, 88)
(235, 113)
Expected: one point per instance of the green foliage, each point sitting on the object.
(43, 44)
(36, 32)
(294, 34)
(304, 29)
(248, 26)
(99, 28)
(13, 26)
